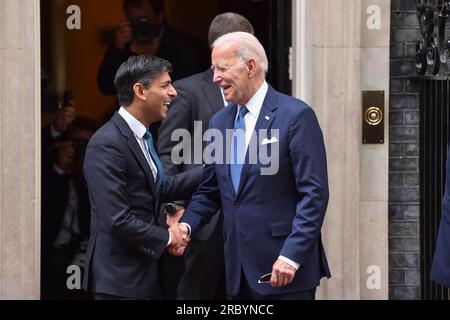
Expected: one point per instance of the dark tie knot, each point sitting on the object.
(243, 111)
(148, 136)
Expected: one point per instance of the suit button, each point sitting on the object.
(238, 204)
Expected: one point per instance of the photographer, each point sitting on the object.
(65, 207)
(146, 33)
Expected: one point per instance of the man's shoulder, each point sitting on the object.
(291, 105)
(193, 81)
(107, 132)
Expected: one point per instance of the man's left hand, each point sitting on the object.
(282, 274)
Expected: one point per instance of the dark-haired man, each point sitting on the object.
(126, 181)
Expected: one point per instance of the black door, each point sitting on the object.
(271, 20)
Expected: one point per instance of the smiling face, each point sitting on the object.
(232, 74)
(158, 97)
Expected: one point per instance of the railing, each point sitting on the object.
(434, 135)
(432, 51)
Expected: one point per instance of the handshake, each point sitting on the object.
(179, 239)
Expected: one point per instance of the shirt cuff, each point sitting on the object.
(293, 264)
(170, 238)
(58, 170)
(188, 226)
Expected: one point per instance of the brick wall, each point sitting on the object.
(404, 245)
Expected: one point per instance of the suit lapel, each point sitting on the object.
(212, 92)
(136, 150)
(263, 124)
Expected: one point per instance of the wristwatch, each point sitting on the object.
(171, 208)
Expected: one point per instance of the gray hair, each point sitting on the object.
(228, 22)
(247, 47)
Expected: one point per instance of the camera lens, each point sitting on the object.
(142, 30)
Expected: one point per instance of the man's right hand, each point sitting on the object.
(66, 115)
(124, 35)
(179, 240)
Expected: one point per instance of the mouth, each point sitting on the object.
(225, 88)
(166, 104)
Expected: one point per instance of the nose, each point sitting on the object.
(172, 91)
(217, 78)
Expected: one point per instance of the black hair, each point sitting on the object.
(137, 69)
(228, 22)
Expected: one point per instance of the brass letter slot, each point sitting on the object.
(373, 117)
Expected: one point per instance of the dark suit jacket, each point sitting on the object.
(55, 196)
(271, 215)
(126, 241)
(440, 270)
(198, 99)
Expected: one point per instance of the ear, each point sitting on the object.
(139, 91)
(251, 65)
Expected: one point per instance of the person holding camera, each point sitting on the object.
(145, 32)
(65, 204)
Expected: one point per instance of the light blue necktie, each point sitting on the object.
(238, 149)
(151, 150)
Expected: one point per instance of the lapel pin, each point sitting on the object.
(267, 118)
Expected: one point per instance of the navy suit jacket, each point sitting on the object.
(125, 239)
(440, 269)
(270, 215)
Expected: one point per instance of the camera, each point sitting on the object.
(142, 30)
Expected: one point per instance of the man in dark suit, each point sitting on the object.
(126, 182)
(440, 269)
(198, 99)
(273, 210)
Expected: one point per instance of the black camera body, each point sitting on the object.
(143, 32)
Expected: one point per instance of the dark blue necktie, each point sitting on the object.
(238, 149)
(151, 150)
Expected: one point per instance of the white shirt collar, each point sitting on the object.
(135, 125)
(255, 103)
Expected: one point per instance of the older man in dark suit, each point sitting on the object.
(126, 182)
(273, 210)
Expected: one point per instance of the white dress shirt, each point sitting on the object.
(139, 130)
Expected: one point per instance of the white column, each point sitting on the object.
(334, 60)
(19, 149)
